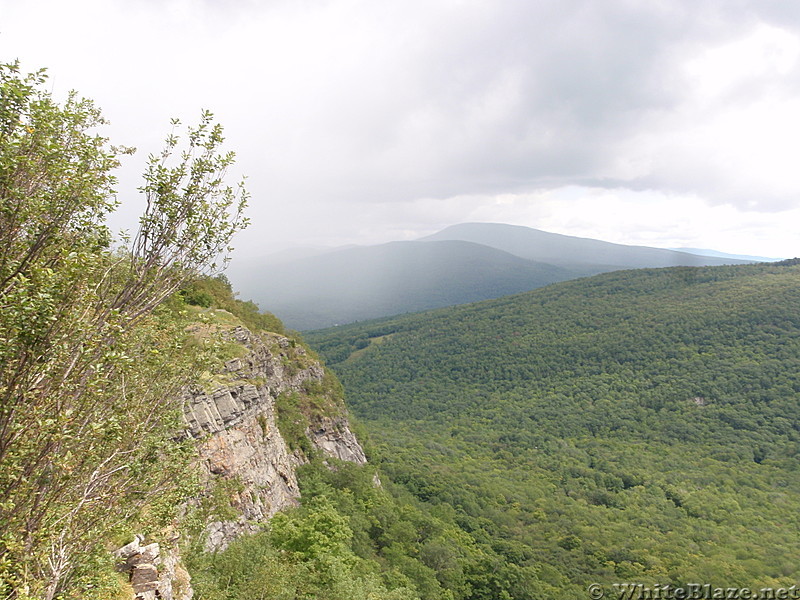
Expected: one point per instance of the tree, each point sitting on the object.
(90, 370)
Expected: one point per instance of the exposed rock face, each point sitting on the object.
(238, 436)
(334, 438)
(245, 444)
(238, 439)
(273, 360)
(153, 573)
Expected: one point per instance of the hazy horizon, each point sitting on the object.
(290, 252)
(671, 124)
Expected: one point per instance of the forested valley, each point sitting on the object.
(634, 426)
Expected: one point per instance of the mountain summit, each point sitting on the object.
(583, 256)
(463, 263)
(353, 284)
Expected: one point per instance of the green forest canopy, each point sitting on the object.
(634, 426)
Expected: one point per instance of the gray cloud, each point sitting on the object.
(517, 94)
(334, 106)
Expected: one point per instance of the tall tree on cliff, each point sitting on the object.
(89, 368)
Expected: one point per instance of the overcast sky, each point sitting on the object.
(657, 122)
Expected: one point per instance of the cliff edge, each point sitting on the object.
(271, 409)
(239, 437)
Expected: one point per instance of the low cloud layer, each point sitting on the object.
(364, 121)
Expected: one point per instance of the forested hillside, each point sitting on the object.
(635, 426)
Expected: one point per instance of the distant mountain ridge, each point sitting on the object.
(583, 255)
(460, 264)
(707, 252)
(353, 284)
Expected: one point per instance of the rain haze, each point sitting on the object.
(661, 123)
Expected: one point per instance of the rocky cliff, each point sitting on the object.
(235, 419)
(236, 426)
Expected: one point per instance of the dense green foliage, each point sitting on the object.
(91, 362)
(635, 426)
(216, 292)
(353, 539)
(307, 553)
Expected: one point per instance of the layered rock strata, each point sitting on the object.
(238, 440)
(238, 437)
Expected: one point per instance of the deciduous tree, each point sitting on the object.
(89, 368)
